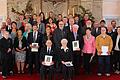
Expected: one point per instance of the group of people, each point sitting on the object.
(27, 41)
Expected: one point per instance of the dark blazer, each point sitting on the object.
(41, 28)
(16, 42)
(44, 52)
(38, 40)
(5, 44)
(66, 56)
(70, 38)
(58, 35)
(67, 28)
(10, 30)
(114, 38)
(110, 34)
(94, 33)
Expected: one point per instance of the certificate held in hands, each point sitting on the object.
(68, 64)
(104, 50)
(75, 45)
(48, 60)
(34, 49)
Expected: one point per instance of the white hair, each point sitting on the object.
(64, 40)
(75, 25)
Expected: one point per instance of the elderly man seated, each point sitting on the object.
(47, 59)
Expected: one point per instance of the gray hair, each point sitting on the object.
(64, 40)
(28, 24)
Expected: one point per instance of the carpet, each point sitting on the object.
(82, 76)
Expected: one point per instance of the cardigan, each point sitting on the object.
(100, 41)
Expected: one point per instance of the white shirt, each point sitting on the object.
(9, 27)
(36, 34)
(70, 27)
(116, 46)
(64, 49)
(48, 49)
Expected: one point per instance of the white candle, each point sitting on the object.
(35, 10)
(46, 15)
(62, 13)
(68, 11)
(73, 11)
(40, 10)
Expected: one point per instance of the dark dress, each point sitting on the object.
(5, 44)
(66, 57)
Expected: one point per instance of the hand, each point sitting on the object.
(63, 62)
(9, 50)
(31, 46)
(52, 63)
(43, 63)
(34, 46)
(99, 53)
(37, 46)
(93, 55)
(108, 52)
(78, 49)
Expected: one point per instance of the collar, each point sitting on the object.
(63, 47)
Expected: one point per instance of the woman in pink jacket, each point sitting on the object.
(88, 50)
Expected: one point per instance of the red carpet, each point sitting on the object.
(80, 77)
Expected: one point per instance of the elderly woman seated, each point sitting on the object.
(66, 60)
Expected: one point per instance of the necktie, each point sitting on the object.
(34, 37)
(48, 50)
(96, 30)
(75, 35)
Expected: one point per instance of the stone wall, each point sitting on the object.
(61, 7)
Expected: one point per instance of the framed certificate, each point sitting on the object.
(104, 50)
(75, 45)
(68, 64)
(34, 49)
(48, 60)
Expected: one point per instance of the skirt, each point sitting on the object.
(20, 56)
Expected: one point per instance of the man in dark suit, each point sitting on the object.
(41, 26)
(69, 27)
(96, 30)
(116, 51)
(34, 37)
(58, 35)
(8, 26)
(49, 51)
(75, 36)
